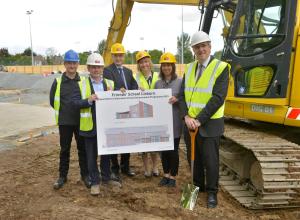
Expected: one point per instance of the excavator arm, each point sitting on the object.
(122, 15)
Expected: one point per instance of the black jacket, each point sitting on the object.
(209, 127)
(68, 115)
(79, 103)
(111, 72)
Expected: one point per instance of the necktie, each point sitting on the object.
(199, 72)
(149, 80)
(123, 77)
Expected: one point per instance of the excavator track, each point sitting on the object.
(260, 170)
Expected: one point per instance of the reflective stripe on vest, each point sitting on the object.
(142, 82)
(109, 84)
(86, 117)
(57, 96)
(197, 94)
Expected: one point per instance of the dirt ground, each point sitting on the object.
(28, 172)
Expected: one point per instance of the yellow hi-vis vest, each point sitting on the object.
(142, 82)
(86, 117)
(197, 94)
(57, 96)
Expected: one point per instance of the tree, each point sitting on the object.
(4, 52)
(83, 57)
(187, 53)
(155, 55)
(218, 54)
(130, 57)
(51, 53)
(27, 52)
(101, 46)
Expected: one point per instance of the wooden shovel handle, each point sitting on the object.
(193, 134)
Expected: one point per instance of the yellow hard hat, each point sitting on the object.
(167, 58)
(117, 48)
(141, 54)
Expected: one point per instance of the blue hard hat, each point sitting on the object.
(71, 56)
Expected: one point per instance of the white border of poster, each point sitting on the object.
(134, 121)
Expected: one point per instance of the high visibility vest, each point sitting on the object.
(142, 82)
(197, 94)
(57, 96)
(86, 117)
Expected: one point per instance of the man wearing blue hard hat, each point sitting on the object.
(68, 118)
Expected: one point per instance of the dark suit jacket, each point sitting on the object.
(67, 114)
(79, 103)
(209, 127)
(111, 72)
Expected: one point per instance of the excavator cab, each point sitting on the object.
(259, 46)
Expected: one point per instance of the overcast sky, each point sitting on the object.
(80, 25)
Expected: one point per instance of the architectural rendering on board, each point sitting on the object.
(140, 110)
(136, 135)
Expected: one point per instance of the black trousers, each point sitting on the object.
(92, 155)
(66, 133)
(124, 165)
(170, 159)
(206, 164)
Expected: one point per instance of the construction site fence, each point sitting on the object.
(48, 69)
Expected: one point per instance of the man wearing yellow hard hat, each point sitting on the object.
(123, 80)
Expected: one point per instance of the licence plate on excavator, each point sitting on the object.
(262, 109)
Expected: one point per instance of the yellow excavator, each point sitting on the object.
(262, 44)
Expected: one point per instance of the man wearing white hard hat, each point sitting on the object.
(202, 96)
(85, 100)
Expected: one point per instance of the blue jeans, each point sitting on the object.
(92, 155)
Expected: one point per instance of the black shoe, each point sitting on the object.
(59, 183)
(212, 201)
(155, 174)
(115, 177)
(164, 181)
(87, 181)
(128, 172)
(171, 183)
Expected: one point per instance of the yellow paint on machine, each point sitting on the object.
(295, 79)
(254, 111)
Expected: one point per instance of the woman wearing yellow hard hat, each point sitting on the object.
(146, 80)
(169, 80)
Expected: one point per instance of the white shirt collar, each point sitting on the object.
(205, 63)
(93, 81)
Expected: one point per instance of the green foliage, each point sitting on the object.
(83, 57)
(155, 55)
(4, 52)
(187, 53)
(218, 54)
(130, 57)
(17, 59)
(27, 52)
(101, 47)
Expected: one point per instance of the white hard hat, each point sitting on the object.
(199, 37)
(95, 59)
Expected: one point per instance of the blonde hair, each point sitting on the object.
(138, 65)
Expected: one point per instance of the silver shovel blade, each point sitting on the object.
(189, 196)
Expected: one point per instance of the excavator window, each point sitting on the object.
(260, 27)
